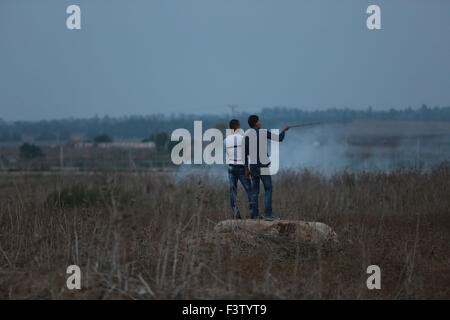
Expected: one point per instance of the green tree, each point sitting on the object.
(30, 151)
(102, 138)
(161, 140)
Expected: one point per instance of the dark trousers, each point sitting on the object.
(256, 176)
(236, 173)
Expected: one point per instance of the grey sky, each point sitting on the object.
(198, 56)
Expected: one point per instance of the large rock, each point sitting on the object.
(307, 232)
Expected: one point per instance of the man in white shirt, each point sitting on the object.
(236, 146)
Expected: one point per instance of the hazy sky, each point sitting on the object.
(196, 56)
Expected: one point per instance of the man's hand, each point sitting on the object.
(247, 172)
(286, 128)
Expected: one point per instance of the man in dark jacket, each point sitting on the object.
(255, 168)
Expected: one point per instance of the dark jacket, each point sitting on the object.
(270, 136)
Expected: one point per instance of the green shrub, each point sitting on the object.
(30, 151)
(80, 195)
(102, 138)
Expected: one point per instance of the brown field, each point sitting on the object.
(128, 233)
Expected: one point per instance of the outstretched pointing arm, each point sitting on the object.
(280, 137)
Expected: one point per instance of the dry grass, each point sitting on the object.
(399, 221)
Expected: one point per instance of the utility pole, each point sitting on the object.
(130, 159)
(233, 108)
(61, 155)
(1, 162)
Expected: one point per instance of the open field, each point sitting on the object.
(130, 235)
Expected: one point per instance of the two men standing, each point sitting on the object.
(238, 146)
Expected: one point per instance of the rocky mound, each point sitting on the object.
(301, 231)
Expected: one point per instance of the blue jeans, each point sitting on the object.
(235, 174)
(255, 172)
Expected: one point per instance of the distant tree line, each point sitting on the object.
(139, 127)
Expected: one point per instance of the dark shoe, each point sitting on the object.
(270, 218)
(237, 216)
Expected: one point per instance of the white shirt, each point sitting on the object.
(235, 148)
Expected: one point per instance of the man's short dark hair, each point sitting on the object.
(252, 120)
(234, 123)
